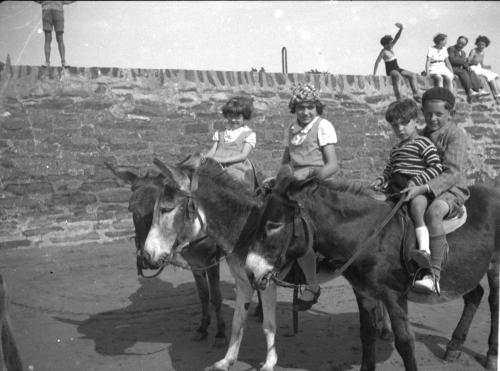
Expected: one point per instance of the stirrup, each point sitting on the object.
(302, 305)
(421, 273)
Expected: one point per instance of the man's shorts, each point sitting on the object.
(53, 18)
(453, 202)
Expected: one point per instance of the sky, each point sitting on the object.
(340, 37)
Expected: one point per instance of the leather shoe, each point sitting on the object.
(301, 305)
(421, 257)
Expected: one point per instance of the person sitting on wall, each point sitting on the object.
(392, 68)
(460, 63)
(437, 65)
(476, 58)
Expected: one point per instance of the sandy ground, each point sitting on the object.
(84, 308)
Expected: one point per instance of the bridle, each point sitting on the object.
(300, 214)
(192, 214)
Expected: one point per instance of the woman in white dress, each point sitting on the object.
(437, 65)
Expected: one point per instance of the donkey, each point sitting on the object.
(9, 354)
(145, 190)
(344, 218)
(228, 212)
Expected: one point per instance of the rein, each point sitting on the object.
(274, 274)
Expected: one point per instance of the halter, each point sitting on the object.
(192, 213)
(274, 273)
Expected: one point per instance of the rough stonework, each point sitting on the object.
(57, 127)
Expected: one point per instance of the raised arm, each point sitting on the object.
(396, 38)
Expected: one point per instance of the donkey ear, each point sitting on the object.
(127, 176)
(173, 176)
(191, 163)
(284, 178)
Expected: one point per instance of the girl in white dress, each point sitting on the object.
(437, 65)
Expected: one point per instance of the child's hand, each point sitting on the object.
(399, 25)
(377, 184)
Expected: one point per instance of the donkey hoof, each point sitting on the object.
(452, 355)
(220, 341)
(222, 365)
(200, 335)
(491, 362)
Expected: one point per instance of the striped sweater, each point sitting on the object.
(415, 158)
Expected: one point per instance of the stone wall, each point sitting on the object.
(57, 127)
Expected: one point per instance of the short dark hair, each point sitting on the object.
(439, 37)
(319, 106)
(239, 105)
(441, 94)
(386, 40)
(484, 39)
(463, 37)
(402, 111)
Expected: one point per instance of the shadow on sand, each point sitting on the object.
(165, 317)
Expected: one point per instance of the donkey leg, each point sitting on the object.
(200, 280)
(244, 293)
(382, 322)
(268, 297)
(471, 302)
(213, 274)
(492, 355)
(403, 336)
(368, 330)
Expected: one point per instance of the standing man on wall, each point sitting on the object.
(53, 17)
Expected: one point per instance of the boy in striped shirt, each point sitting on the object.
(412, 162)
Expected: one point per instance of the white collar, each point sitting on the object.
(304, 130)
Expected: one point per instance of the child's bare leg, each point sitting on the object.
(412, 79)
(395, 77)
(493, 87)
(310, 295)
(418, 205)
(48, 41)
(437, 80)
(448, 83)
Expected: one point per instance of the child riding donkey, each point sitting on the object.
(414, 161)
(448, 191)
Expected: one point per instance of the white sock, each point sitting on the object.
(423, 238)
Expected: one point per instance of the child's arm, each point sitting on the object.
(473, 58)
(242, 156)
(396, 38)
(212, 150)
(331, 165)
(427, 65)
(379, 58)
(454, 162)
(448, 64)
(434, 166)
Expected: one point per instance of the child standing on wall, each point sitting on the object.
(412, 162)
(391, 65)
(233, 145)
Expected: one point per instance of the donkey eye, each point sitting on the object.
(273, 227)
(166, 209)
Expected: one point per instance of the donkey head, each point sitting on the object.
(280, 235)
(176, 221)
